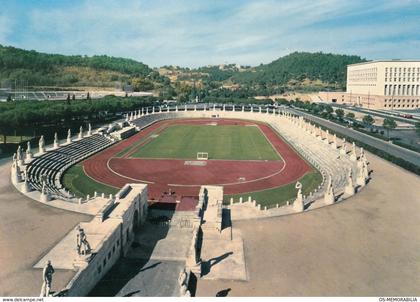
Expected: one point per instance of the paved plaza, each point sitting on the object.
(365, 246)
(28, 230)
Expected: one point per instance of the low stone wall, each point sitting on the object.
(115, 225)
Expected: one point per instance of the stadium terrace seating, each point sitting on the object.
(51, 165)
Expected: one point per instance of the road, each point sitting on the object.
(380, 113)
(394, 150)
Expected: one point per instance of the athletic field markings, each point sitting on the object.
(124, 176)
(98, 181)
(258, 124)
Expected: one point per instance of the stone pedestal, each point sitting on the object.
(26, 187)
(29, 156)
(329, 198)
(361, 181)
(298, 205)
(16, 177)
(45, 197)
(349, 190)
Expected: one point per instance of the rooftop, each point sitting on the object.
(383, 61)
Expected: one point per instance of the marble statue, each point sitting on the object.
(18, 153)
(55, 141)
(83, 246)
(349, 189)
(81, 132)
(298, 205)
(89, 130)
(28, 151)
(329, 197)
(41, 145)
(47, 273)
(334, 144)
(343, 149)
(19, 156)
(69, 136)
(353, 155)
(26, 186)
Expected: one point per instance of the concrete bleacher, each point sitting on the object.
(51, 165)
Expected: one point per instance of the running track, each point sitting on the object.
(185, 180)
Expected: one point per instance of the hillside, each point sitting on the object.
(41, 69)
(298, 71)
(299, 67)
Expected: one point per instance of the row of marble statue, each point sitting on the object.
(41, 145)
(362, 169)
(19, 160)
(145, 111)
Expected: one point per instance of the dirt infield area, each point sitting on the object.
(114, 167)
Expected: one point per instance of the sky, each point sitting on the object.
(193, 33)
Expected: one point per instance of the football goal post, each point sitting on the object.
(202, 155)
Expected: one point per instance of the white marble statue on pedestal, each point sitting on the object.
(19, 156)
(69, 136)
(349, 189)
(56, 144)
(81, 132)
(41, 145)
(15, 170)
(44, 194)
(298, 204)
(329, 197)
(26, 187)
(28, 151)
(83, 246)
(89, 130)
(353, 155)
(47, 273)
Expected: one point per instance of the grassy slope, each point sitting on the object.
(221, 142)
(282, 194)
(81, 185)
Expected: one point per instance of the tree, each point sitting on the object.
(73, 97)
(9, 98)
(389, 123)
(339, 113)
(368, 120)
(350, 115)
(328, 109)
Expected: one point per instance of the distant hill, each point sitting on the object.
(41, 69)
(300, 67)
(298, 71)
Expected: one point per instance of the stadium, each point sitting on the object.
(193, 168)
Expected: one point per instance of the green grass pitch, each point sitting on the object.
(76, 180)
(280, 195)
(221, 142)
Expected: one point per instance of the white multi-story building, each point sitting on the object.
(383, 84)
